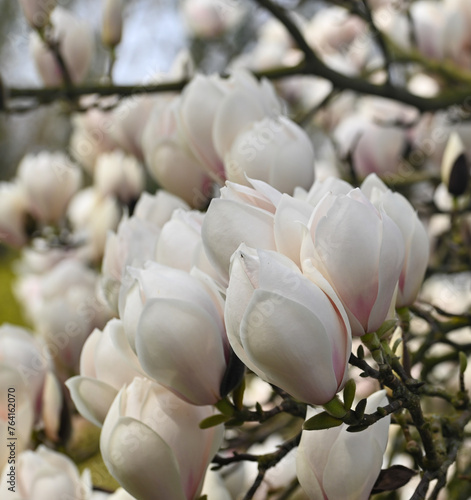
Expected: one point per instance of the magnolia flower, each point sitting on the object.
(322, 454)
(174, 322)
(45, 473)
(65, 310)
(285, 328)
(37, 11)
(112, 23)
(26, 371)
(213, 111)
(373, 147)
(169, 161)
(428, 23)
(211, 18)
(107, 364)
(119, 175)
(265, 148)
(91, 217)
(359, 250)
(152, 445)
(29, 358)
(75, 44)
(49, 181)
(413, 232)
(333, 29)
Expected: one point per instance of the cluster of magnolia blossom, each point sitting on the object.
(261, 273)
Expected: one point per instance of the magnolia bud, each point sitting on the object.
(151, 443)
(75, 45)
(112, 24)
(37, 11)
(455, 166)
(322, 453)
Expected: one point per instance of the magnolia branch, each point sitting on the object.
(311, 66)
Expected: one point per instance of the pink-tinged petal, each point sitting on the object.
(266, 190)
(290, 344)
(91, 397)
(181, 346)
(414, 268)
(228, 224)
(127, 452)
(53, 401)
(290, 216)
(391, 259)
(348, 241)
(254, 197)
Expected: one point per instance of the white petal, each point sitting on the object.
(91, 397)
(181, 346)
(141, 461)
(228, 224)
(291, 346)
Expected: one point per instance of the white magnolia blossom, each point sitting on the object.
(152, 445)
(49, 181)
(119, 175)
(169, 160)
(64, 308)
(174, 322)
(413, 232)
(92, 216)
(285, 328)
(323, 453)
(211, 18)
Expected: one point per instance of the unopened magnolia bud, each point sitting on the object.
(112, 24)
(75, 44)
(455, 167)
(37, 11)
